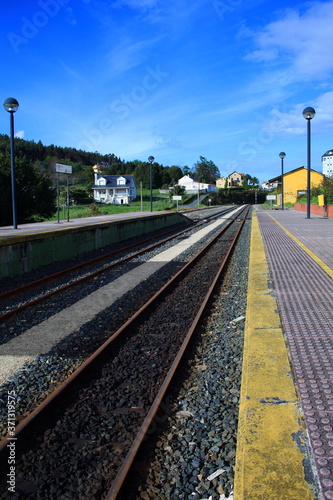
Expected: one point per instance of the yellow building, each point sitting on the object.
(295, 184)
(220, 183)
(233, 180)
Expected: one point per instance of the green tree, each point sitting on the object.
(325, 188)
(35, 195)
(80, 195)
(175, 173)
(246, 180)
(141, 174)
(206, 171)
(177, 190)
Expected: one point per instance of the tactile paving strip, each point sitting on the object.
(304, 295)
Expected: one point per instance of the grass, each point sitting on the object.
(160, 202)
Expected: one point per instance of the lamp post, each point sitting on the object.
(151, 159)
(282, 156)
(308, 114)
(11, 105)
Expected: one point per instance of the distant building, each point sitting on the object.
(327, 162)
(192, 185)
(115, 189)
(233, 180)
(222, 182)
(295, 184)
(267, 186)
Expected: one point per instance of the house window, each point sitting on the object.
(121, 181)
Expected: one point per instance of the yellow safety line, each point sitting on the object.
(315, 257)
(271, 441)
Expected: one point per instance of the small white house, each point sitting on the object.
(193, 185)
(116, 189)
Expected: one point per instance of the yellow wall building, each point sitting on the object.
(220, 183)
(233, 180)
(295, 184)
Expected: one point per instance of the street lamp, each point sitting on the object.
(151, 159)
(282, 155)
(308, 114)
(11, 105)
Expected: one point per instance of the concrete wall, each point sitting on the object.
(23, 253)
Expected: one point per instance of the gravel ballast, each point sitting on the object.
(193, 454)
(40, 376)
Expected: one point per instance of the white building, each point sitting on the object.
(268, 186)
(193, 185)
(327, 161)
(116, 189)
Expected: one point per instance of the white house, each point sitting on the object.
(116, 189)
(193, 185)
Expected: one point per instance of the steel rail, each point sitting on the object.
(48, 279)
(26, 429)
(124, 469)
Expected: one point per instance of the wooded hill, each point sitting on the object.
(45, 157)
(36, 179)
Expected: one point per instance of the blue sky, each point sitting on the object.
(176, 79)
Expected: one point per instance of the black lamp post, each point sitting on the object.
(11, 105)
(282, 155)
(308, 114)
(151, 159)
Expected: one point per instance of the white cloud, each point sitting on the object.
(19, 134)
(304, 40)
(292, 122)
(128, 54)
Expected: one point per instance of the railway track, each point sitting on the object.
(14, 300)
(108, 404)
(41, 346)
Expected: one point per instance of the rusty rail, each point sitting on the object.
(68, 271)
(38, 419)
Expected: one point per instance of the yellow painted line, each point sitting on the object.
(271, 443)
(315, 257)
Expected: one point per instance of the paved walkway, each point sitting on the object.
(299, 253)
(315, 233)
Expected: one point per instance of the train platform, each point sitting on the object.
(50, 226)
(32, 246)
(285, 432)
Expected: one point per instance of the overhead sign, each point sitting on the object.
(271, 197)
(63, 169)
(177, 198)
